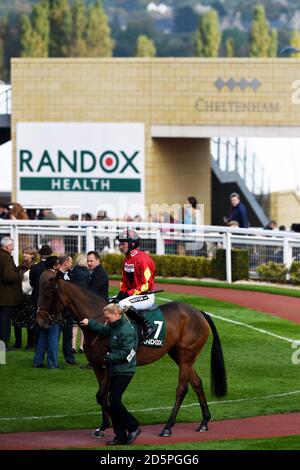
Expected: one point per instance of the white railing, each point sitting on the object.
(160, 238)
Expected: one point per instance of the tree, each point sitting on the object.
(27, 40)
(273, 43)
(229, 45)
(259, 34)
(40, 25)
(79, 19)
(60, 28)
(295, 42)
(208, 36)
(35, 32)
(98, 35)
(145, 47)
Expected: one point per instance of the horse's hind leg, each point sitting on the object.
(184, 372)
(196, 383)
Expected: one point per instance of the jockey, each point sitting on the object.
(137, 279)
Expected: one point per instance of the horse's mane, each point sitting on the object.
(93, 301)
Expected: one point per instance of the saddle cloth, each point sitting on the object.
(156, 318)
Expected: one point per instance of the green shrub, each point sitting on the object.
(295, 273)
(272, 272)
(112, 263)
(239, 264)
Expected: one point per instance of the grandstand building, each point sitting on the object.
(157, 130)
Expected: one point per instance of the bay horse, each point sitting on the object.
(187, 331)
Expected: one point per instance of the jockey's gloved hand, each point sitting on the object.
(122, 295)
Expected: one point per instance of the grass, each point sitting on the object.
(259, 368)
(224, 285)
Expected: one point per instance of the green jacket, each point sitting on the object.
(10, 281)
(122, 344)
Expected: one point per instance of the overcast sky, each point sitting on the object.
(280, 157)
(281, 160)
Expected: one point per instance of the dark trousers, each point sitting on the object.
(18, 337)
(5, 322)
(67, 332)
(123, 422)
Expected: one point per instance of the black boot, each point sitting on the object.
(139, 318)
(30, 338)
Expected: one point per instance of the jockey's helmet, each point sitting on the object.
(129, 236)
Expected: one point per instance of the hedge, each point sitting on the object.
(239, 264)
(273, 272)
(167, 265)
(295, 273)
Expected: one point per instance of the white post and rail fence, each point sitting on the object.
(68, 236)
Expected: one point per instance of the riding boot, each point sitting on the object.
(140, 319)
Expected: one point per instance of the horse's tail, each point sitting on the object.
(218, 370)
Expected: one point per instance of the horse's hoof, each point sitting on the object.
(98, 434)
(166, 433)
(202, 428)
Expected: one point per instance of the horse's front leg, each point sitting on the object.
(182, 389)
(102, 400)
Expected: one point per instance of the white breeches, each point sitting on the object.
(139, 302)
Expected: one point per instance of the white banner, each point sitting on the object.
(92, 165)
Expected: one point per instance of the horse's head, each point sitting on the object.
(50, 308)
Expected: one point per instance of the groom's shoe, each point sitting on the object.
(133, 435)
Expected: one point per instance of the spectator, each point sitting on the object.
(46, 214)
(233, 224)
(36, 271)
(192, 216)
(48, 339)
(10, 288)
(102, 242)
(271, 225)
(102, 215)
(64, 272)
(98, 281)
(238, 211)
(34, 279)
(79, 275)
(192, 213)
(17, 212)
(4, 211)
(24, 313)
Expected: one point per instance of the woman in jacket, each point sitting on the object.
(121, 362)
(24, 313)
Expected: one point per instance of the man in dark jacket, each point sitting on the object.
(238, 211)
(98, 281)
(36, 271)
(121, 361)
(64, 271)
(10, 287)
